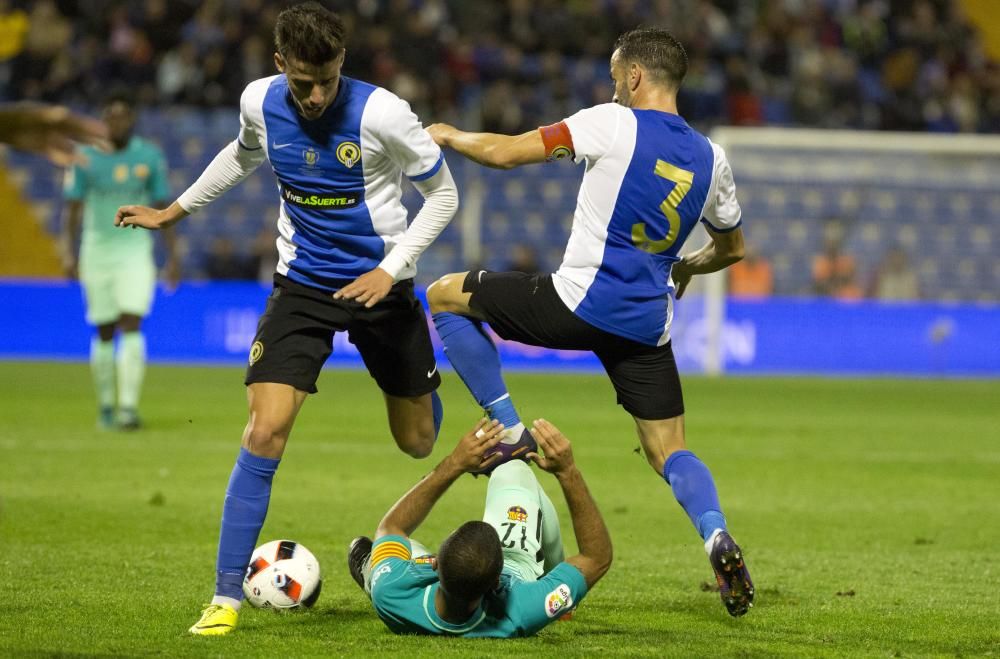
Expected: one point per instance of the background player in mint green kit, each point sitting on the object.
(115, 267)
(502, 577)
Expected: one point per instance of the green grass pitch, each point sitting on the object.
(869, 511)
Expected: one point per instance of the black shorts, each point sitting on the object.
(295, 336)
(527, 309)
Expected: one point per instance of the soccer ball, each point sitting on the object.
(282, 575)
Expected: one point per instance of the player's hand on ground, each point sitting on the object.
(140, 216)
(557, 454)
(441, 133)
(367, 289)
(468, 454)
(681, 277)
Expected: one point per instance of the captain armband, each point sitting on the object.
(558, 141)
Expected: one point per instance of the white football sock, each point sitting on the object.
(711, 541)
(131, 368)
(235, 603)
(511, 435)
(102, 366)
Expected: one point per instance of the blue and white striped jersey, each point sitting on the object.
(339, 176)
(650, 178)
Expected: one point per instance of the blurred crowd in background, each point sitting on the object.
(510, 65)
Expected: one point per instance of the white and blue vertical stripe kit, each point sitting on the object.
(339, 178)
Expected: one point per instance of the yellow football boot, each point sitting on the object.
(216, 620)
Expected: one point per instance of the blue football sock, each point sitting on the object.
(438, 411)
(693, 487)
(475, 358)
(243, 513)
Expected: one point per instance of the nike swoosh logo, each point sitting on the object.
(481, 273)
(275, 145)
(431, 372)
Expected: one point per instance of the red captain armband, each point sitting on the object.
(557, 140)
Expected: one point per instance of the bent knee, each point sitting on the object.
(265, 439)
(416, 444)
(445, 293)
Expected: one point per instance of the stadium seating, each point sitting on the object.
(946, 226)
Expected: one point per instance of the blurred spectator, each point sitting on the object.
(752, 277)
(895, 279)
(35, 76)
(223, 262)
(515, 64)
(13, 30)
(834, 272)
(523, 258)
(265, 255)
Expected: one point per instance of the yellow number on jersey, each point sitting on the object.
(682, 180)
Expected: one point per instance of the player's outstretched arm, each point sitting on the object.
(725, 249)
(51, 131)
(149, 218)
(592, 535)
(411, 510)
(491, 149)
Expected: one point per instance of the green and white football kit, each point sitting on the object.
(116, 266)
(536, 586)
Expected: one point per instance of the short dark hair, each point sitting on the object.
(309, 33)
(469, 562)
(657, 50)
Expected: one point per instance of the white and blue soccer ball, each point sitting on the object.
(282, 574)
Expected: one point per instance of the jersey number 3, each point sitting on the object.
(682, 180)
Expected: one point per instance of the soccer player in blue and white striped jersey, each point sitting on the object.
(650, 179)
(347, 258)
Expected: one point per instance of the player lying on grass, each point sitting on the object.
(502, 577)
(339, 148)
(650, 179)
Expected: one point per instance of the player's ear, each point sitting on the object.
(279, 62)
(634, 76)
(434, 563)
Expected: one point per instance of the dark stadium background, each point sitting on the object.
(853, 435)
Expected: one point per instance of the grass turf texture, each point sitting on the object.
(867, 509)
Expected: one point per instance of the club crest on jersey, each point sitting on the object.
(348, 153)
(310, 156)
(256, 350)
(517, 514)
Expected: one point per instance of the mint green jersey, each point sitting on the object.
(103, 181)
(403, 592)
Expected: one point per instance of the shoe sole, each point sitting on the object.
(735, 589)
(215, 630)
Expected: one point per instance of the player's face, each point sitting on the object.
(120, 121)
(313, 87)
(619, 75)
